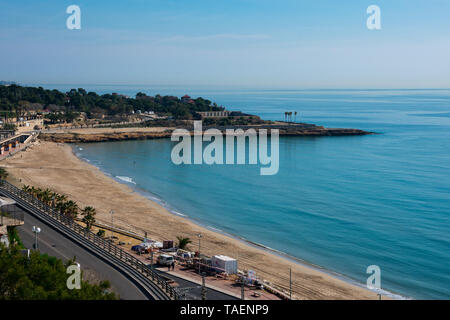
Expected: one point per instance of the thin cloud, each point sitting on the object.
(223, 36)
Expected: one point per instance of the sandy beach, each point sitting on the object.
(53, 165)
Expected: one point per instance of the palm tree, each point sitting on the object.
(46, 196)
(88, 216)
(38, 193)
(26, 188)
(183, 242)
(101, 233)
(70, 209)
(60, 199)
(53, 196)
(295, 113)
(33, 191)
(3, 174)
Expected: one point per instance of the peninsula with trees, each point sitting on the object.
(58, 115)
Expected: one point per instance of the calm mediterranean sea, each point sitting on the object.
(342, 203)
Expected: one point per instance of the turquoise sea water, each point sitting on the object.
(342, 203)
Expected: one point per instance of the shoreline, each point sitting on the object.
(53, 165)
(256, 245)
(90, 135)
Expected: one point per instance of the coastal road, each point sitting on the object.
(55, 244)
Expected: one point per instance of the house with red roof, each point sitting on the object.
(186, 98)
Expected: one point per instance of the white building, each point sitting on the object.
(215, 114)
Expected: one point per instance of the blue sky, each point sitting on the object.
(252, 43)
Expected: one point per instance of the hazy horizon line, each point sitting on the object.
(218, 86)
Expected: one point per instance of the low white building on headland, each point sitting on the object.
(214, 114)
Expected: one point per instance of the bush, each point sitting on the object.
(9, 126)
(41, 277)
(13, 237)
(3, 173)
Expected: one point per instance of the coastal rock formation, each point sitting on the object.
(285, 130)
(101, 137)
(323, 132)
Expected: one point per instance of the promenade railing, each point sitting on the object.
(98, 241)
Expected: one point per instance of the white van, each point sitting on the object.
(165, 260)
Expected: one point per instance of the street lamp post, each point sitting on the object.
(112, 224)
(36, 230)
(199, 258)
(290, 283)
(203, 292)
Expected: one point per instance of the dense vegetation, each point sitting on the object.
(3, 173)
(183, 242)
(40, 277)
(60, 203)
(17, 101)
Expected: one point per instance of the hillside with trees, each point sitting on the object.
(41, 277)
(17, 101)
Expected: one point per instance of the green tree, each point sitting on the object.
(60, 199)
(14, 238)
(65, 107)
(9, 126)
(183, 242)
(41, 277)
(70, 209)
(3, 173)
(88, 214)
(101, 233)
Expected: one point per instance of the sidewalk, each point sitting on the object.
(226, 286)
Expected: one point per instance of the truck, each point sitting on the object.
(224, 264)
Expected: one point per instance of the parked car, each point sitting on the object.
(165, 260)
(136, 248)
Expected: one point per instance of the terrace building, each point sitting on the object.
(215, 114)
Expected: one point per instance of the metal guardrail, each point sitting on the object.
(102, 225)
(98, 242)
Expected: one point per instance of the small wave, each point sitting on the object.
(389, 294)
(126, 179)
(80, 148)
(178, 213)
(215, 229)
